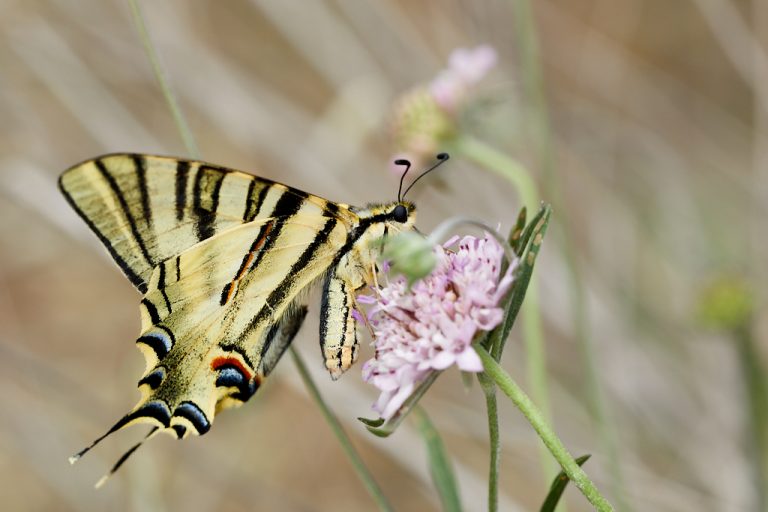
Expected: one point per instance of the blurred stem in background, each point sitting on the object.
(755, 371)
(727, 305)
(165, 84)
(189, 142)
(540, 133)
(510, 169)
(757, 397)
(346, 443)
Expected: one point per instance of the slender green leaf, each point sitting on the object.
(531, 239)
(439, 463)
(346, 443)
(517, 230)
(492, 339)
(531, 228)
(558, 486)
(372, 423)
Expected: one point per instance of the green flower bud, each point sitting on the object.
(411, 255)
(727, 303)
(420, 128)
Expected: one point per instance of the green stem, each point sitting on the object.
(346, 443)
(489, 389)
(536, 113)
(540, 134)
(596, 401)
(440, 466)
(513, 171)
(501, 164)
(165, 85)
(757, 398)
(542, 428)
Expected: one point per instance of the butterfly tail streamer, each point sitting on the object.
(117, 426)
(121, 423)
(125, 457)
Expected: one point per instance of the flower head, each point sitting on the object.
(466, 67)
(426, 117)
(431, 326)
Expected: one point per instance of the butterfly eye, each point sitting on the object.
(400, 214)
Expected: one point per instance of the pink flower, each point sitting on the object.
(426, 117)
(466, 67)
(431, 326)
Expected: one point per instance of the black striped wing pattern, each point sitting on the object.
(223, 259)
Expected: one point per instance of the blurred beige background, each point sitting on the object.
(659, 112)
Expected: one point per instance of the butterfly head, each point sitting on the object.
(399, 216)
(387, 219)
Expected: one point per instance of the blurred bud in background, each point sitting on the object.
(426, 118)
(726, 303)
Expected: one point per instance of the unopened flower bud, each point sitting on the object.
(411, 255)
(727, 303)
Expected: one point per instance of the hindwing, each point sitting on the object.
(222, 304)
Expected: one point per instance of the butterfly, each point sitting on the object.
(224, 260)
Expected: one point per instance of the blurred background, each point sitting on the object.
(644, 123)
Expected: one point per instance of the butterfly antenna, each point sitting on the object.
(407, 164)
(125, 456)
(441, 158)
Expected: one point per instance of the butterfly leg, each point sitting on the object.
(338, 325)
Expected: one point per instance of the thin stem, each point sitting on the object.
(489, 389)
(513, 171)
(542, 428)
(162, 79)
(757, 399)
(540, 134)
(537, 115)
(501, 164)
(346, 443)
(440, 466)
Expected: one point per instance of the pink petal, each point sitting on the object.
(442, 360)
(447, 90)
(469, 361)
(396, 401)
(473, 64)
(451, 241)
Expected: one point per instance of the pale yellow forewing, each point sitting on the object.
(146, 209)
